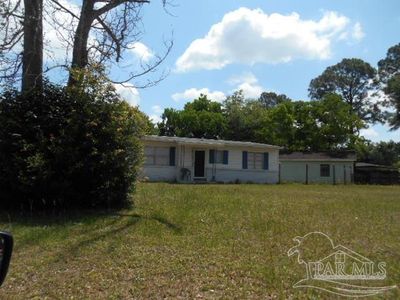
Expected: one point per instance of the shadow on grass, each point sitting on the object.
(160, 219)
(110, 235)
(41, 227)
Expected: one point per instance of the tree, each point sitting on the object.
(271, 99)
(115, 26)
(382, 153)
(99, 34)
(233, 110)
(352, 79)
(201, 118)
(335, 128)
(32, 61)
(22, 23)
(389, 76)
(277, 125)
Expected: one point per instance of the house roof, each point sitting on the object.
(208, 142)
(365, 165)
(318, 156)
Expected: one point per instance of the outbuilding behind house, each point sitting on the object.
(317, 167)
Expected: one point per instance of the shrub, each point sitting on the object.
(67, 149)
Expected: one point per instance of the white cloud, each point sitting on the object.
(357, 33)
(193, 93)
(157, 109)
(377, 133)
(369, 133)
(128, 92)
(141, 51)
(244, 77)
(251, 36)
(155, 118)
(248, 83)
(250, 90)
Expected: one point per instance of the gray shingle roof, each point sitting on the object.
(197, 141)
(320, 156)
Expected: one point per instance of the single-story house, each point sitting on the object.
(318, 167)
(207, 160)
(376, 174)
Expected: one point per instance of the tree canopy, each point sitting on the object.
(353, 80)
(296, 125)
(389, 75)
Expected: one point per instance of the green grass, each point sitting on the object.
(199, 241)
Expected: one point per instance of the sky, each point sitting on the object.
(275, 45)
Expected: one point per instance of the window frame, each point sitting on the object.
(325, 170)
(163, 160)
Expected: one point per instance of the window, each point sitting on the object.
(218, 157)
(255, 160)
(325, 170)
(159, 156)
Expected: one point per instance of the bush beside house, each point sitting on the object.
(66, 149)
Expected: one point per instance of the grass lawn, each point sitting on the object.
(200, 241)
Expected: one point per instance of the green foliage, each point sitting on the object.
(201, 118)
(236, 118)
(328, 124)
(271, 99)
(352, 79)
(64, 149)
(389, 75)
(382, 153)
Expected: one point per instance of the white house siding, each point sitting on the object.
(295, 171)
(231, 172)
(157, 172)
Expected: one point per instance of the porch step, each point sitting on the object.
(199, 180)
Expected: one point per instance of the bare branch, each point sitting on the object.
(114, 4)
(65, 9)
(113, 37)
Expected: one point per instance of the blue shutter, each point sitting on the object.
(225, 158)
(266, 156)
(172, 156)
(211, 157)
(244, 160)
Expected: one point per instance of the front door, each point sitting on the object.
(199, 160)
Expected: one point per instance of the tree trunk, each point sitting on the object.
(80, 52)
(32, 60)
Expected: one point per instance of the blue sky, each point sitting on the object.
(275, 45)
(378, 28)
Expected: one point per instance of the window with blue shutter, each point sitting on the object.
(225, 159)
(244, 160)
(266, 161)
(172, 156)
(211, 157)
